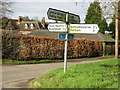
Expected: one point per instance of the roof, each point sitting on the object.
(21, 25)
(44, 33)
(13, 24)
(99, 36)
(29, 23)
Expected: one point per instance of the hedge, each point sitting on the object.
(27, 47)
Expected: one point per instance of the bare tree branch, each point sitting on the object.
(5, 8)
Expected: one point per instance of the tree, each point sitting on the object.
(103, 26)
(107, 13)
(25, 18)
(35, 18)
(94, 13)
(3, 22)
(116, 7)
(94, 16)
(5, 12)
(112, 24)
(112, 27)
(5, 8)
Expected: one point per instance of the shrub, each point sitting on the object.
(24, 47)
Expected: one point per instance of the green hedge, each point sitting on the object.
(27, 47)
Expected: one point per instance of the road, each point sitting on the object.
(14, 73)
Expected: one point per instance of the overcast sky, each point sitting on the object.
(39, 9)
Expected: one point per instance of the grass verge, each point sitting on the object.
(102, 74)
(8, 61)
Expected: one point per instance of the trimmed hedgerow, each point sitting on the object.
(27, 47)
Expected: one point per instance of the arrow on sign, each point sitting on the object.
(84, 28)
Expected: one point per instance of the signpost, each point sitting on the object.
(66, 43)
(84, 28)
(59, 15)
(71, 26)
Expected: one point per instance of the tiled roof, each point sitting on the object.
(21, 25)
(99, 36)
(45, 33)
(13, 24)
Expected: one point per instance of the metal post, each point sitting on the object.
(65, 54)
(66, 42)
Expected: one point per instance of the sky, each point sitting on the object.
(39, 9)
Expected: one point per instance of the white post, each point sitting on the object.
(66, 42)
(65, 53)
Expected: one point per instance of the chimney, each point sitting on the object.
(19, 19)
(43, 22)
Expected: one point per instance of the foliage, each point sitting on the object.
(94, 13)
(9, 61)
(94, 16)
(24, 47)
(103, 26)
(109, 11)
(3, 22)
(112, 28)
(35, 18)
(25, 18)
(112, 24)
(103, 74)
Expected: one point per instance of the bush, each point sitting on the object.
(24, 47)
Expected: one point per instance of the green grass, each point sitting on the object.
(9, 61)
(102, 74)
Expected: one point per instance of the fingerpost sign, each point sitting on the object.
(68, 29)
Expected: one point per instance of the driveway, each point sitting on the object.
(12, 74)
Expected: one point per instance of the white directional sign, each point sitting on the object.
(57, 27)
(84, 28)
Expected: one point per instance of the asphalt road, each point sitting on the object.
(14, 73)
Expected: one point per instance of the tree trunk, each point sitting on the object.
(116, 31)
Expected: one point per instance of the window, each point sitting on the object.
(26, 26)
(9, 23)
(32, 26)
